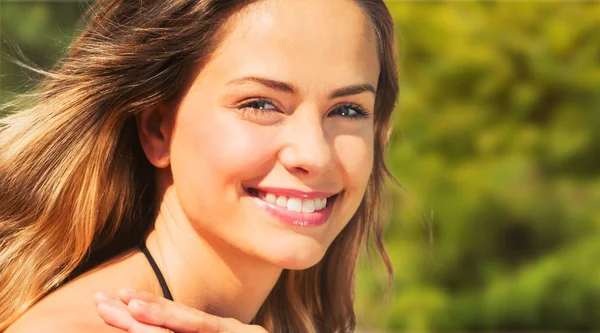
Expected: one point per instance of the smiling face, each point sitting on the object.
(271, 148)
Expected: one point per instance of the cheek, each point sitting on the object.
(211, 153)
(355, 155)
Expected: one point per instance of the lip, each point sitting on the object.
(296, 193)
(298, 219)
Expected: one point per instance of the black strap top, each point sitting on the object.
(159, 276)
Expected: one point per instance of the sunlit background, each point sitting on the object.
(497, 149)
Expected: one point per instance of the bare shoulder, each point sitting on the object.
(71, 308)
(61, 319)
(62, 312)
(63, 324)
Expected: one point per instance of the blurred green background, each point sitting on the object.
(497, 148)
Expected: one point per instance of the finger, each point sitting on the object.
(115, 313)
(123, 320)
(101, 297)
(152, 309)
(156, 310)
(126, 295)
(174, 316)
(182, 319)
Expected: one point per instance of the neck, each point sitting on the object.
(205, 273)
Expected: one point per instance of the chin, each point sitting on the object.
(296, 254)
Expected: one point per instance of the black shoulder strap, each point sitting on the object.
(159, 276)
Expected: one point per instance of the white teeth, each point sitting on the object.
(271, 198)
(320, 203)
(281, 201)
(294, 205)
(308, 206)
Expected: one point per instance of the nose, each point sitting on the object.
(307, 151)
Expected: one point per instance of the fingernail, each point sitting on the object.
(100, 296)
(137, 304)
(113, 315)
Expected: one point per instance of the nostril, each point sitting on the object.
(301, 170)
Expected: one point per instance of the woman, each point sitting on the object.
(227, 155)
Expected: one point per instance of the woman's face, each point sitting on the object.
(278, 124)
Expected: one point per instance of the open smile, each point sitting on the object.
(302, 209)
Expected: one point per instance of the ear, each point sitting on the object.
(155, 126)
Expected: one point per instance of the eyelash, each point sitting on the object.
(360, 111)
(245, 107)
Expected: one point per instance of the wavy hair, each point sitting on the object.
(76, 187)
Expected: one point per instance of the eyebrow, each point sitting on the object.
(287, 87)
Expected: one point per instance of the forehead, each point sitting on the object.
(310, 42)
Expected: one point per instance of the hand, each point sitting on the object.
(144, 312)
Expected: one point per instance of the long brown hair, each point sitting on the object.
(76, 188)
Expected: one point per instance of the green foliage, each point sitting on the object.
(497, 147)
(36, 33)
